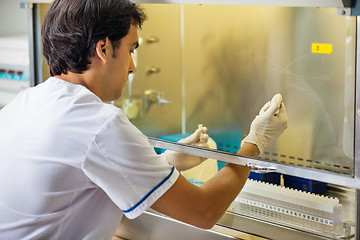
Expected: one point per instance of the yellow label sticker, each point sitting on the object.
(322, 48)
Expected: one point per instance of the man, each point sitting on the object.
(72, 165)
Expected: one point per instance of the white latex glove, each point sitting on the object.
(269, 124)
(183, 161)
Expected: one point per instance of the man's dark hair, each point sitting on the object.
(72, 28)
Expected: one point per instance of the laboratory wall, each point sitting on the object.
(13, 19)
(14, 50)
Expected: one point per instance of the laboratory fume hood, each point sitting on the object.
(216, 63)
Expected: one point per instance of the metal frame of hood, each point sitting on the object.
(308, 173)
(284, 3)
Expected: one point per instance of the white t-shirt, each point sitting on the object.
(71, 165)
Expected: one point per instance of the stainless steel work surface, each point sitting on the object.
(153, 226)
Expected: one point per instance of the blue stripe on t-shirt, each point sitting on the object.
(149, 193)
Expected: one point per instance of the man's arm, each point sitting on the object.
(203, 206)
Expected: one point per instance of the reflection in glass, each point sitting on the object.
(219, 64)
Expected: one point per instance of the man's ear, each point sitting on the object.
(101, 49)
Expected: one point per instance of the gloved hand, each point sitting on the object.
(183, 161)
(269, 124)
